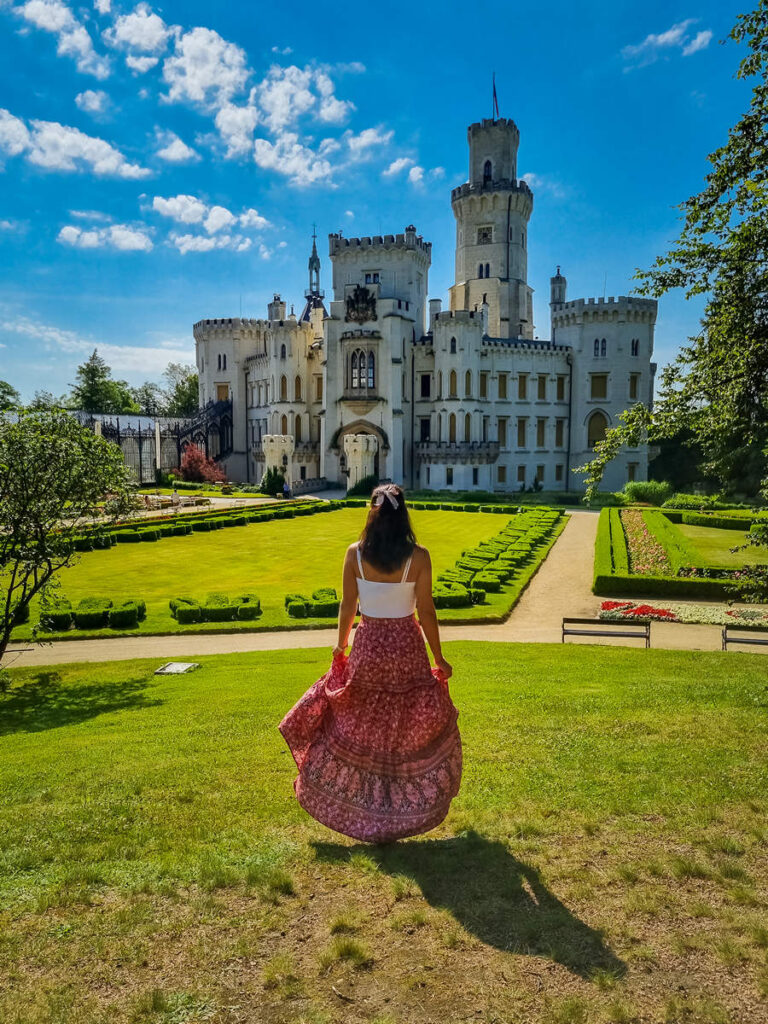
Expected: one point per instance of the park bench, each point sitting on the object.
(637, 629)
(739, 635)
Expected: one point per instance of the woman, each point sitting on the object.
(375, 739)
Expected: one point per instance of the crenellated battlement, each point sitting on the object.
(470, 188)
(205, 327)
(503, 124)
(630, 307)
(627, 300)
(459, 316)
(339, 245)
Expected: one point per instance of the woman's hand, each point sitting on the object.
(339, 652)
(444, 667)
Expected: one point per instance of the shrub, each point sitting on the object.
(92, 613)
(102, 541)
(294, 597)
(487, 581)
(181, 529)
(84, 543)
(201, 525)
(272, 482)
(451, 595)
(127, 537)
(477, 595)
(716, 522)
(186, 610)
(248, 607)
(364, 486)
(297, 609)
(691, 501)
(654, 492)
(124, 616)
(217, 608)
(325, 594)
(471, 508)
(196, 466)
(56, 616)
(149, 535)
(323, 609)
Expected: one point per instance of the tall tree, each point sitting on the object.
(150, 399)
(716, 389)
(56, 476)
(9, 396)
(181, 390)
(97, 391)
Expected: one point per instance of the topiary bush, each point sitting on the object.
(56, 616)
(124, 615)
(149, 535)
(92, 613)
(364, 486)
(126, 537)
(248, 607)
(297, 608)
(217, 608)
(653, 492)
(451, 595)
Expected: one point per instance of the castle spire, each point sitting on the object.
(314, 266)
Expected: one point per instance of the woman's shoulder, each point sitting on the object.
(420, 554)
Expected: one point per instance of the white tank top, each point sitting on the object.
(385, 600)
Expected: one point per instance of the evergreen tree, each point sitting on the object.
(181, 390)
(97, 391)
(9, 396)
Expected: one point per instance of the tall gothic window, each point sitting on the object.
(487, 273)
(468, 384)
(597, 346)
(297, 429)
(218, 364)
(283, 389)
(452, 428)
(603, 348)
(467, 427)
(452, 385)
(453, 346)
(488, 171)
(479, 274)
(283, 424)
(596, 428)
(297, 388)
(371, 371)
(635, 346)
(282, 351)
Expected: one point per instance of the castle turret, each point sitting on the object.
(492, 210)
(276, 308)
(314, 310)
(557, 286)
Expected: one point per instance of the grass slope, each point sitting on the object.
(715, 546)
(269, 559)
(605, 860)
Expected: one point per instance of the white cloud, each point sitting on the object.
(366, 139)
(252, 219)
(332, 110)
(397, 166)
(92, 101)
(182, 208)
(203, 243)
(103, 6)
(116, 236)
(141, 64)
(416, 175)
(282, 245)
(700, 41)
(142, 31)
(218, 217)
(289, 157)
(9, 225)
(236, 125)
(264, 252)
(284, 95)
(654, 45)
(89, 215)
(60, 147)
(72, 37)
(174, 150)
(350, 214)
(284, 51)
(204, 69)
(542, 184)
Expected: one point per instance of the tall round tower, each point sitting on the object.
(492, 210)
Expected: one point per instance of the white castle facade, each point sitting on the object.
(384, 381)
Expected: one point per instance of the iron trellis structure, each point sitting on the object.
(151, 443)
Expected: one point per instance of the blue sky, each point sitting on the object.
(161, 164)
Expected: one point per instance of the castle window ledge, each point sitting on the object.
(361, 395)
(360, 333)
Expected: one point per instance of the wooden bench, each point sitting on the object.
(637, 629)
(737, 635)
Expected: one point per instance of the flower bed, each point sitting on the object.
(647, 557)
(718, 615)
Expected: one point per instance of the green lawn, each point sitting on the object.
(269, 559)
(605, 860)
(715, 546)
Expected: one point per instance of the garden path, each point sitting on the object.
(562, 586)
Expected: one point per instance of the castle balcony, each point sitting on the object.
(455, 452)
(470, 188)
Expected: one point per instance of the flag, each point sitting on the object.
(495, 98)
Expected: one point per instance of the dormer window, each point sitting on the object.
(487, 172)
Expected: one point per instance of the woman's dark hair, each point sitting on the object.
(387, 538)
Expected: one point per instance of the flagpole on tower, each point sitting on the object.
(495, 108)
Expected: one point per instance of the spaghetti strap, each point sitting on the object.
(407, 567)
(360, 563)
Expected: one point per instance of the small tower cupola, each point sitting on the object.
(557, 286)
(314, 294)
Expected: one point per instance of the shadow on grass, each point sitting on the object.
(497, 898)
(44, 703)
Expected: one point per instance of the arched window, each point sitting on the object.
(603, 348)
(480, 270)
(353, 368)
(487, 171)
(439, 428)
(453, 346)
(297, 388)
(487, 269)
(440, 384)
(357, 366)
(297, 429)
(283, 389)
(371, 371)
(597, 425)
(218, 362)
(282, 351)
(283, 424)
(452, 385)
(467, 427)
(597, 346)
(224, 362)
(635, 346)
(468, 384)
(452, 428)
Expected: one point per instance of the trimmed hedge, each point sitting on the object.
(717, 522)
(216, 607)
(451, 595)
(56, 616)
(323, 604)
(124, 616)
(92, 613)
(127, 537)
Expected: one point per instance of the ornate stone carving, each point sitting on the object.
(361, 306)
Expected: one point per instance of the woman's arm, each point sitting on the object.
(425, 606)
(348, 605)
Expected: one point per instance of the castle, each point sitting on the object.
(386, 382)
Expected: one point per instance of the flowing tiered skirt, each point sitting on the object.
(375, 739)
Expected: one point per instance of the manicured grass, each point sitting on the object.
(604, 861)
(715, 546)
(269, 559)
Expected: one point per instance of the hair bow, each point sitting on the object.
(386, 492)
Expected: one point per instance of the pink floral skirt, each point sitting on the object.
(375, 739)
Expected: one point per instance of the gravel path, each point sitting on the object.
(561, 587)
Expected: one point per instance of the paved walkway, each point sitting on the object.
(562, 586)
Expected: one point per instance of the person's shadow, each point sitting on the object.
(493, 895)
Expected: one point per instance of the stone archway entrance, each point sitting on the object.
(362, 454)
